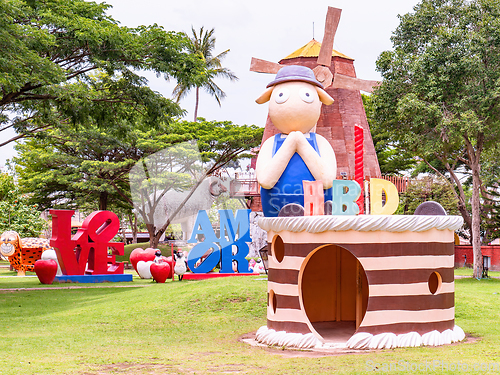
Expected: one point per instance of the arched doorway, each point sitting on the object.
(333, 292)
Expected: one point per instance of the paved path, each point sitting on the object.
(73, 287)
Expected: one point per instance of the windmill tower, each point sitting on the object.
(337, 74)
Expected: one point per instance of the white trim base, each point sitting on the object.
(360, 340)
(389, 340)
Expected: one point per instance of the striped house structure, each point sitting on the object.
(361, 281)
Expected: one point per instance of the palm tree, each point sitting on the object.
(203, 44)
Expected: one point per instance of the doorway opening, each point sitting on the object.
(333, 292)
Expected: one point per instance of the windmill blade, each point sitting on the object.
(331, 24)
(263, 66)
(342, 81)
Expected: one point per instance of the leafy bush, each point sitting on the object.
(16, 213)
(429, 188)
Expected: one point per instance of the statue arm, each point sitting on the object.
(269, 168)
(324, 167)
(329, 161)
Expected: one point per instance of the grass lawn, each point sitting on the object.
(193, 327)
(468, 272)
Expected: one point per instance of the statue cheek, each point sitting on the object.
(280, 116)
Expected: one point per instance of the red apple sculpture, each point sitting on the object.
(46, 270)
(160, 272)
(140, 254)
(171, 263)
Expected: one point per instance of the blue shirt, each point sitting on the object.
(289, 188)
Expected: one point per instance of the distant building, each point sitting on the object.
(464, 257)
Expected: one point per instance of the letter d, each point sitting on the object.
(377, 186)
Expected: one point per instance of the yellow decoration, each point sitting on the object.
(377, 186)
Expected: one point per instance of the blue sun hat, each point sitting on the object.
(295, 73)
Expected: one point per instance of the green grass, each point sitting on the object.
(468, 272)
(193, 327)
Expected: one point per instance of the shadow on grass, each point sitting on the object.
(32, 303)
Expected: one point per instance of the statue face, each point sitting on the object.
(294, 106)
(8, 241)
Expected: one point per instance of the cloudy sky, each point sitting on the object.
(267, 29)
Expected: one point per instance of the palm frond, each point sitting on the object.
(223, 73)
(222, 55)
(180, 92)
(214, 90)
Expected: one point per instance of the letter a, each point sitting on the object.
(203, 226)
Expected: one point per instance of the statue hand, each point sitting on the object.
(302, 142)
(292, 140)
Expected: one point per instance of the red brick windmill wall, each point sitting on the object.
(337, 121)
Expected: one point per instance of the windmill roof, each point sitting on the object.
(311, 49)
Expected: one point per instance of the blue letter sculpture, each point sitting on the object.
(234, 232)
(345, 195)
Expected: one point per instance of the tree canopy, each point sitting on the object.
(391, 159)
(88, 168)
(67, 167)
(440, 95)
(51, 50)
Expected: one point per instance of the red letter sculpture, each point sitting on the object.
(90, 244)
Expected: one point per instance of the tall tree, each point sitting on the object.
(184, 167)
(440, 95)
(44, 45)
(202, 44)
(391, 158)
(490, 223)
(70, 168)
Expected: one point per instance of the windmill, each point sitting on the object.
(336, 72)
